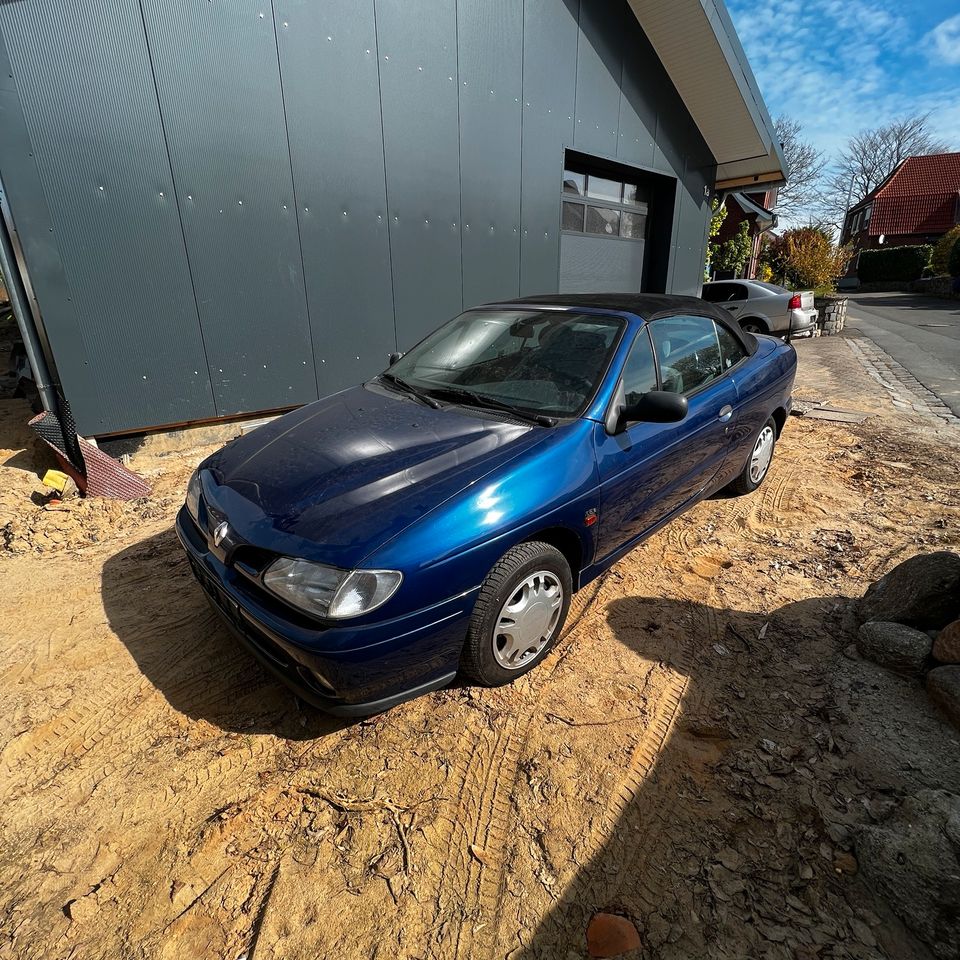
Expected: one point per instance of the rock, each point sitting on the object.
(943, 688)
(609, 935)
(946, 647)
(845, 863)
(910, 860)
(894, 646)
(923, 592)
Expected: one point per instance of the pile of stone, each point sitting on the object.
(911, 623)
(831, 315)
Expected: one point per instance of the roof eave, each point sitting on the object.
(700, 50)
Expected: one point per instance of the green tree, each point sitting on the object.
(734, 253)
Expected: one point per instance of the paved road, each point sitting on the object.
(922, 333)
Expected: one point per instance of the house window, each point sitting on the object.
(604, 206)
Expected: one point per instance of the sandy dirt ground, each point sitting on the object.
(694, 754)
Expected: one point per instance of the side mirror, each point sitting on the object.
(392, 358)
(657, 406)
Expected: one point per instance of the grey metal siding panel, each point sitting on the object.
(490, 54)
(83, 74)
(20, 180)
(599, 70)
(218, 80)
(642, 76)
(417, 44)
(550, 34)
(336, 147)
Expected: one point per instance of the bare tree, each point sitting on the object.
(805, 164)
(869, 158)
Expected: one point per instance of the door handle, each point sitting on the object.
(726, 412)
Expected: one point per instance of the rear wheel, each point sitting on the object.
(752, 326)
(758, 463)
(518, 615)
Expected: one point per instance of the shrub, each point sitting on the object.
(807, 257)
(939, 259)
(893, 263)
(953, 264)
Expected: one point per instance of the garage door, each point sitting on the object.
(603, 233)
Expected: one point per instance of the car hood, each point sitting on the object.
(335, 480)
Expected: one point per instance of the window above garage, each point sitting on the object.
(604, 204)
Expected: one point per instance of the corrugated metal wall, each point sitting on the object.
(233, 207)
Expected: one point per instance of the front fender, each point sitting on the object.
(450, 550)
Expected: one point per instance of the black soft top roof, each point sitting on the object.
(644, 305)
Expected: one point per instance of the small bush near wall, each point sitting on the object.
(953, 264)
(940, 257)
(893, 263)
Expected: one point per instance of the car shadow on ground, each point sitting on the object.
(159, 612)
(713, 831)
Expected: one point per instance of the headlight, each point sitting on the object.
(193, 496)
(329, 592)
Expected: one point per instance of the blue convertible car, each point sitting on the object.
(437, 518)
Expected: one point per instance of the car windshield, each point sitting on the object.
(544, 363)
(772, 287)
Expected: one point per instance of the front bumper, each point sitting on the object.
(344, 670)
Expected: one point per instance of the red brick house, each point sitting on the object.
(918, 203)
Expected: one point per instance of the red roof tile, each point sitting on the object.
(922, 196)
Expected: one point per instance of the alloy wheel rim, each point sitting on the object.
(762, 455)
(527, 620)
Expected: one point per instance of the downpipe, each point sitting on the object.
(24, 318)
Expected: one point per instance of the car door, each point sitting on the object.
(735, 298)
(651, 470)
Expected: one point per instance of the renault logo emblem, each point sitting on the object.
(220, 533)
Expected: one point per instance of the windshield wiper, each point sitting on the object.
(411, 389)
(479, 400)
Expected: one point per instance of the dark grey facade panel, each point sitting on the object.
(643, 77)
(83, 76)
(417, 45)
(331, 89)
(490, 57)
(378, 164)
(219, 87)
(33, 233)
(600, 55)
(550, 34)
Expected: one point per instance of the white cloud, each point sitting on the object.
(943, 41)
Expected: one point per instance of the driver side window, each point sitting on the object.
(639, 372)
(688, 351)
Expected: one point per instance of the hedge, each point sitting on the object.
(893, 263)
(953, 264)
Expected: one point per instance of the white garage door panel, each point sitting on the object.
(590, 264)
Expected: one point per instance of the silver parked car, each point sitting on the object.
(761, 307)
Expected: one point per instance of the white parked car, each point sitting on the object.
(761, 307)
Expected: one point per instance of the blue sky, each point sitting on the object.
(839, 66)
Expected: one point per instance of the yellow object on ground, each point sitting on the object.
(56, 479)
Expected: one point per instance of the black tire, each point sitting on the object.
(753, 326)
(478, 660)
(746, 481)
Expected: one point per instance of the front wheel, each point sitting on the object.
(758, 463)
(518, 615)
